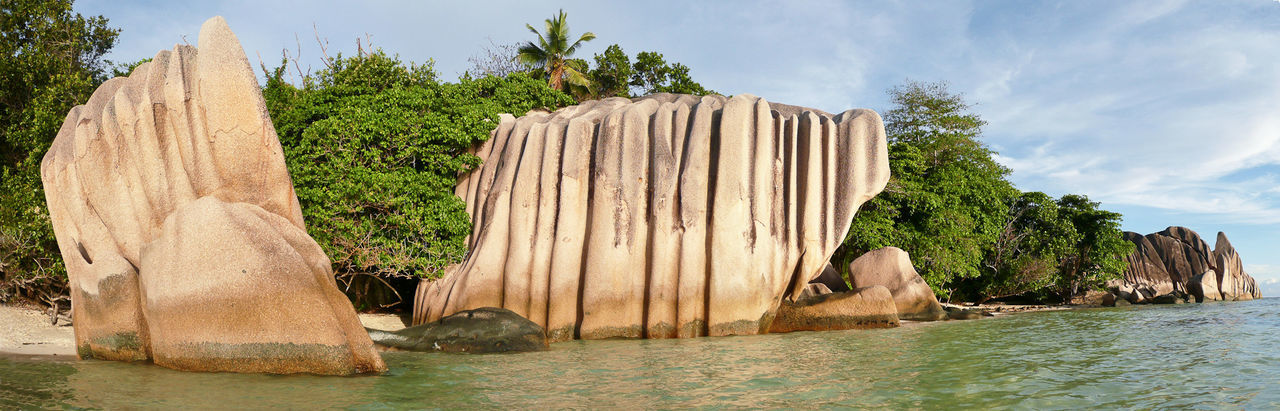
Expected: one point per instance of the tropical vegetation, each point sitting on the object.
(374, 145)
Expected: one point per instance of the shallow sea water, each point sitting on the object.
(1200, 356)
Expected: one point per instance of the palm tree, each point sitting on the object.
(551, 53)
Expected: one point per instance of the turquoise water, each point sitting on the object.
(1214, 356)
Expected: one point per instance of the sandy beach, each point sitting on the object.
(26, 330)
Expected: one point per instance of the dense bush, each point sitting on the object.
(50, 61)
(374, 147)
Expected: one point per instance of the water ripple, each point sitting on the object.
(1201, 356)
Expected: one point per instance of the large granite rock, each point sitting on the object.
(663, 216)
(482, 330)
(1177, 260)
(180, 229)
(868, 307)
(891, 268)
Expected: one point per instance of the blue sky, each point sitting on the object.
(1166, 111)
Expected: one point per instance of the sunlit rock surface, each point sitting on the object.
(180, 229)
(662, 216)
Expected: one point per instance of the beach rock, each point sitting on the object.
(482, 330)
(868, 307)
(182, 236)
(957, 313)
(1171, 298)
(1174, 260)
(814, 290)
(661, 216)
(1093, 297)
(1109, 300)
(891, 267)
(1123, 303)
(832, 279)
(1204, 287)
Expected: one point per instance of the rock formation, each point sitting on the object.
(891, 267)
(868, 307)
(662, 216)
(181, 232)
(1176, 261)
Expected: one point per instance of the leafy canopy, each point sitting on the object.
(50, 61)
(375, 146)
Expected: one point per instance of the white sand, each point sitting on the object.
(25, 330)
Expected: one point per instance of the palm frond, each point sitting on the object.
(575, 77)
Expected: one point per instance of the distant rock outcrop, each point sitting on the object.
(662, 216)
(180, 229)
(891, 268)
(1176, 261)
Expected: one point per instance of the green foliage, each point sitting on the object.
(50, 61)
(653, 74)
(552, 51)
(1025, 258)
(612, 75)
(1099, 251)
(374, 148)
(969, 231)
(947, 199)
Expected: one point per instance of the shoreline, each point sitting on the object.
(28, 333)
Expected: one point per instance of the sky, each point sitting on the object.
(1167, 111)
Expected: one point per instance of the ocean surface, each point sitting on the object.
(1201, 356)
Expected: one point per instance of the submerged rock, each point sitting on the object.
(868, 307)
(891, 268)
(482, 330)
(182, 236)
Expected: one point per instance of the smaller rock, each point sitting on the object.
(1174, 297)
(832, 279)
(891, 267)
(957, 313)
(869, 307)
(1204, 287)
(1109, 300)
(1123, 303)
(814, 290)
(482, 330)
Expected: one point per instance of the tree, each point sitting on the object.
(374, 147)
(652, 74)
(497, 60)
(947, 199)
(50, 61)
(612, 74)
(1100, 249)
(1026, 254)
(552, 51)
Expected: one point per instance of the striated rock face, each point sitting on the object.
(1233, 282)
(662, 216)
(1177, 260)
(891, 267)
(180, 229)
